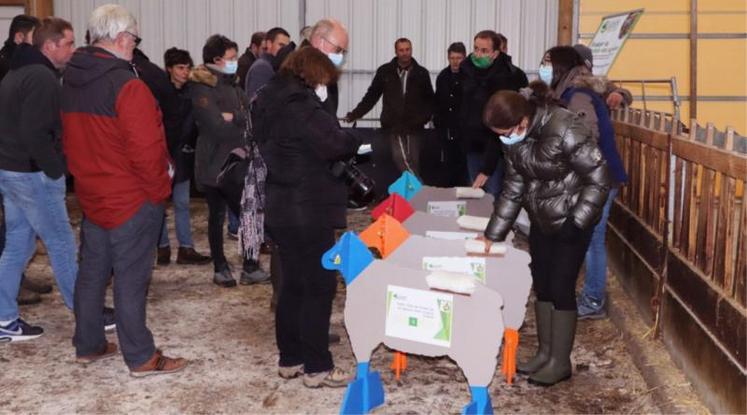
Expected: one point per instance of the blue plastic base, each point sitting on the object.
(480, 402)
(363, 394)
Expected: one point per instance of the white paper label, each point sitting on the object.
(474, 266)
(451, 209)
(419, 315)
(451, 236)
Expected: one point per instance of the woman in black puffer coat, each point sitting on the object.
(554, 170)
(304, 203)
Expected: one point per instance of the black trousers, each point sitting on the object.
(129, 249)
(305, 300)
(218, 200)
(556, 261)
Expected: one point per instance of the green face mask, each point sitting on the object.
(481, 62)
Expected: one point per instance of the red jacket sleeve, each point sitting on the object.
(141, 122)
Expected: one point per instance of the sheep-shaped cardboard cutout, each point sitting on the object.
(507, 274)
(379, 309)
(452, 201)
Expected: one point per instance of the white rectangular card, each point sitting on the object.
(451, 209)
(419, 315)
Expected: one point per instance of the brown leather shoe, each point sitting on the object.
(159, 365)
(164, 256)
(109, 351)
(26, 297)
(35, 285)
(188, 256)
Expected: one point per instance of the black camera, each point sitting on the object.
(360, 186)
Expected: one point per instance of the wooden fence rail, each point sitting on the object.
(678, 238)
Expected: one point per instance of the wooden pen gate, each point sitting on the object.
(677, 242)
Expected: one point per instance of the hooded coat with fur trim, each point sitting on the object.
(213, 94)
(583, 105)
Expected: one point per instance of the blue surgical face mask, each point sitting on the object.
(545, 73)
(336, 58)
(231, 67)
(513, 138)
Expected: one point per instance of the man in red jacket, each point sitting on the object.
(114, 141)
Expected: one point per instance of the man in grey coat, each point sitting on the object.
(262, 70)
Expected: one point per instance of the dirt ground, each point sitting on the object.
(228, 335)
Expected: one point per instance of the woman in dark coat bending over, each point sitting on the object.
(554, 170)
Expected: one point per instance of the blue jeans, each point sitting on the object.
(595, 281)
(35, 205)
(493, 185)
(180, 197)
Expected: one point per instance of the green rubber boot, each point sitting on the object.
(543, 318)
(558, 368)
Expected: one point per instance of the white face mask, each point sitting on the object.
(231, 67)
(321, 92)
(545, 73)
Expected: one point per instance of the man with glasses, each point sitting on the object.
(330, 37)
(116, 149)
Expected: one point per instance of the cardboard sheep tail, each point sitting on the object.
(349, 255)
(395, 206)
(406, 186)
(386, 235)
(510, 345)
(364, 393)
(480, 402)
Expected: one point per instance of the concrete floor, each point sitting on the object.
(228, 335)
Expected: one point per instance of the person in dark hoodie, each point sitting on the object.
(407, 107)
(116, 149)
(32, 172)
(446, 116)
(486, 71)
(220, 109)
(21, 31)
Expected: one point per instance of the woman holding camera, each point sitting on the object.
(304, 203)
(555, 170)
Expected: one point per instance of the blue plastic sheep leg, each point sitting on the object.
(480, 402)
(364, 393)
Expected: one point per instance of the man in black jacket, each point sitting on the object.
(407, 107)
(485, 71)
(446, 116)
(21, 31)
(32, 171)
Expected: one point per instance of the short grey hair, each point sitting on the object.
(324, 26)
(108, 21)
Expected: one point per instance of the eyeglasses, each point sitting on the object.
(135, 37)
(338, 49)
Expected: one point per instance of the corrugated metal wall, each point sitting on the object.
(530, 25)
